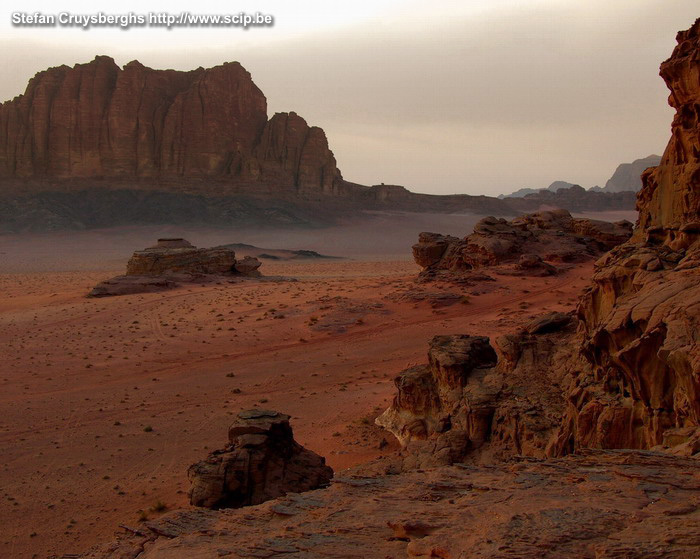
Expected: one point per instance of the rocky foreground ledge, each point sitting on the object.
(601, 504)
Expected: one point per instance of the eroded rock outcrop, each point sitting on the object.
(530, 242)
(637, 383)
(179, 256)
(98, 120)
(629, 377)
(171, 262)
(262, 461)
(476, 402)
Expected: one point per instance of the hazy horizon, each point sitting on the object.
(442, 97)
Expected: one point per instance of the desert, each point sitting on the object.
(214, 343)
(324, 348)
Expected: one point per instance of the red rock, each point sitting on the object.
(549, 235)
(158, 261)
(261, 462)
(247, 266)
(171, 262)
(637, 380)
(97, 120)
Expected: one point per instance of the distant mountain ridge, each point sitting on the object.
(96, 145)
(521, 193)
(626, 178)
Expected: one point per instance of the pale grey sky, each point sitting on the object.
(441, 96)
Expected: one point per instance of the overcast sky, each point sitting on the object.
(441, 96)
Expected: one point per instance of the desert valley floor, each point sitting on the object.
(104, 403)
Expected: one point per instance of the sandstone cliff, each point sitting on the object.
(97, 120)
(628, 376)
(637, 383)
(97, 145)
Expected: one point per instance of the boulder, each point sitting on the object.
(248, 266)
(550, 322)
(262, 461)
(533, 263)
(430, 248)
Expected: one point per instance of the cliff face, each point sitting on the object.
(638, 381)
(670, 196)
(628, 375)
(98, 120)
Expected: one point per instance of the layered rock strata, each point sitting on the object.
(172, 261)
(98, 120)
(637, 383)
(629, 375)
(262, 461)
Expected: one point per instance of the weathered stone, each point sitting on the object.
(428, 396)
(637, 381)
(157, 261)
(128, 285)
(99, 120)
(527, 240)
(248, 266)
(261, 462)
(171, 262)
(550, 322)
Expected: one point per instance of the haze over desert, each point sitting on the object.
(448, 309)
(87, 376)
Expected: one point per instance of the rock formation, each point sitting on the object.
(261, 462)
(172, 261)
(162, 259)
(553, 236)
(97, 145)
(477, 402)
(637, 382)
(629, 375)
(173, 256)
(603, 504)
(97, 120)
